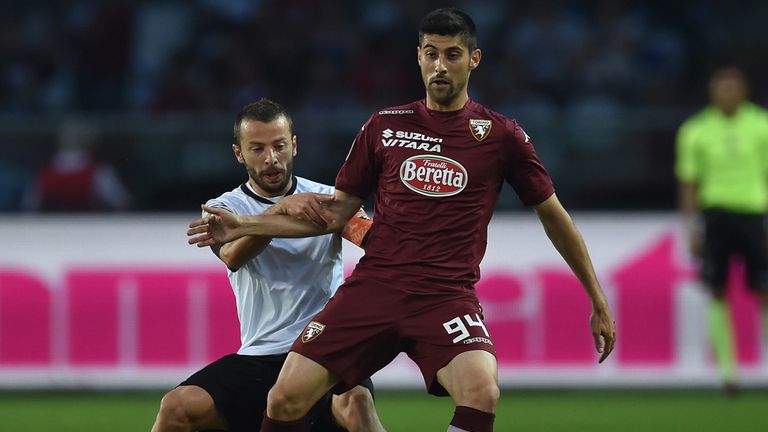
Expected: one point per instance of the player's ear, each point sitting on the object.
(418, 55)
(295, 143)
(474, 59)
(238, 153)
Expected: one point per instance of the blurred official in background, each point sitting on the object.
(722, 168)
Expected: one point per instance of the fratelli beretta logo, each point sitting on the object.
(435, 176)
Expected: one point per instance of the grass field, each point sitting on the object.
(551, 411)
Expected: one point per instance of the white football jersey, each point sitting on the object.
(282, 288)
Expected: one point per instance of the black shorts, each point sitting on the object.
(730, 235)
(239, 385)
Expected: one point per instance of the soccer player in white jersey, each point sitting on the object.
(279, 285)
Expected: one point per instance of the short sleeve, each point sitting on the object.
(764, 137)
(359, 174)
(524, 171)
(685, 150)
(218, 203)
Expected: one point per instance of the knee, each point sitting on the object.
(355, 410)
(283, 405)
(172, 414)
(480, 395)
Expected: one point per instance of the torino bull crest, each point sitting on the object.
(312, 331)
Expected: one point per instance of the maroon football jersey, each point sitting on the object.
(437, 176)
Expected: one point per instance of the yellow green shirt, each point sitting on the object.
(727, 157)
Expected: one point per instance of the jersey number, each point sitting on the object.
(456, 325)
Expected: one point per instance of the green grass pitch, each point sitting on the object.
(551, 411)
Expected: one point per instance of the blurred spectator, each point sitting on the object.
(13, 179)
(73, 181)
(102, 33)
(547, 43)
(576, 72)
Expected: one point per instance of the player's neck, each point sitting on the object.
(454, 105)
(264, 194)
(729, 109)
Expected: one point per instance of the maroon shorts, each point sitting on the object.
(369, 322)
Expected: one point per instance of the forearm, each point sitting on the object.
(689, 208)
(336, 213)
(570, 244)
(281, 226)
(563, 234)
(302, 215)
(237, 253)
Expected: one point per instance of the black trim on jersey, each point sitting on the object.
(364, 241)
(246, 190)
(216, 249)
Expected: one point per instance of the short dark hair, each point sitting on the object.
(263, 110)
(729, 71)
(449, 22)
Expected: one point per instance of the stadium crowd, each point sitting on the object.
(596, 82)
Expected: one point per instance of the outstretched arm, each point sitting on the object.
(566, 238)
(326, 214)
(237, 253)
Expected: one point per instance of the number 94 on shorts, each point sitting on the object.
(460, 327)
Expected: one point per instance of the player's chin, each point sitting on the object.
(443, 98)
(273, 182)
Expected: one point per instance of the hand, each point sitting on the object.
(603, 331)
(218, 227)
(310, 207)
(696, 245)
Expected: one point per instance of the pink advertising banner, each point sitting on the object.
(124, 302)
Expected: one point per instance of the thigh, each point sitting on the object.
(441, 330)
(238, 386)
(717, 251)
(751, 232)
(354, 335)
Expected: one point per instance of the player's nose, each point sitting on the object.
(271, 157)
(440, 64)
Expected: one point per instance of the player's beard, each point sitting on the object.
(445, 98)
(273, 188)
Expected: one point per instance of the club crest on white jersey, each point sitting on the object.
(480, 128)
(434, 176)
(312, 331)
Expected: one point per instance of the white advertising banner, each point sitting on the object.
(124, 302)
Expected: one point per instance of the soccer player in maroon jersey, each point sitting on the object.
(436, 166)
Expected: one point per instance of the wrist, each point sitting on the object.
(692, 223)
(599, 303)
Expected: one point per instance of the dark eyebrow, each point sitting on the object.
(282, 140)
(450, 48)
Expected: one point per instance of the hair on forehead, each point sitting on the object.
(729, 72)
(449, 22)
(263, 110)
